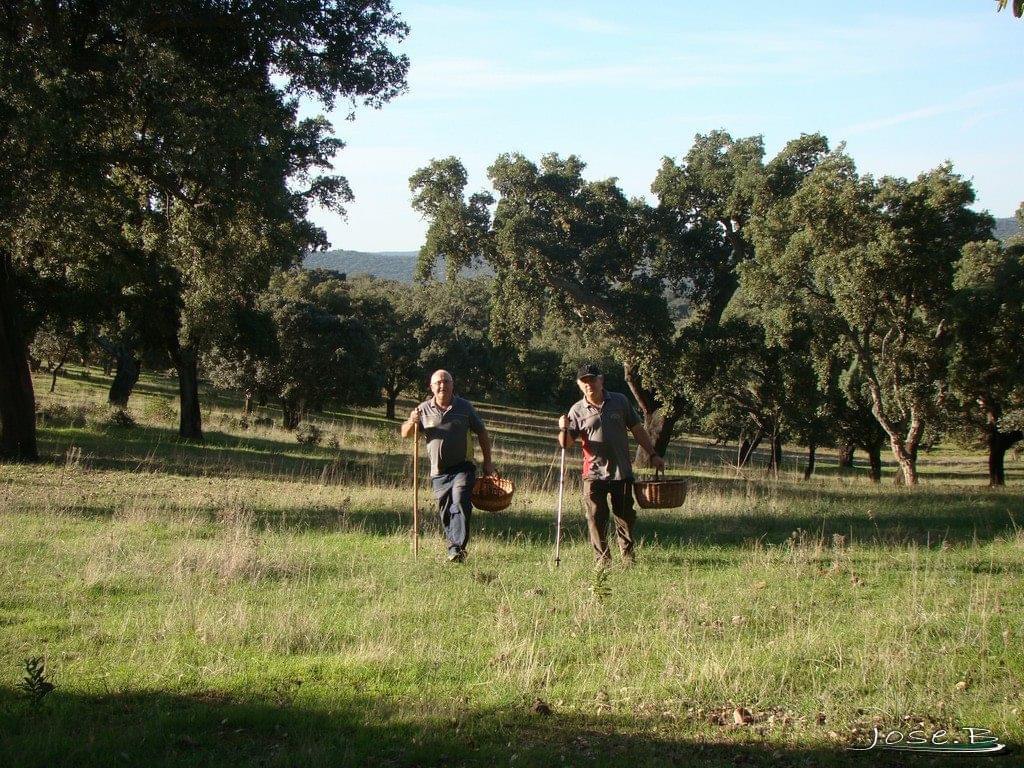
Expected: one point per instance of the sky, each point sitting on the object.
(905, 84)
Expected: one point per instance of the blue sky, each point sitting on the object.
(906, 85)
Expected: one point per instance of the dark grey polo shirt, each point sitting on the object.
(602, 430)
(447, 433)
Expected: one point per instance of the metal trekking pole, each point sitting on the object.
(415, 489)
(558, 523)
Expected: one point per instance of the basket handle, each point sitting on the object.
(659, 474)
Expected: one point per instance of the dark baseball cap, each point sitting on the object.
(587, 370)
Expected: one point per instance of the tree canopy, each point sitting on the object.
(871, 264)
(168, 141)
(1018, 6)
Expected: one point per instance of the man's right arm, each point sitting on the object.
(565, 434)
(411, 422)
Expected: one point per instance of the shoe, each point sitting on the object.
(457, 557)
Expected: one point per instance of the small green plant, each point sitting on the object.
(233, 422)
(34, 685)
(57, 415)
(308, 434)
(160, 410)
(386, 437)
(116, 416)
(601, 587)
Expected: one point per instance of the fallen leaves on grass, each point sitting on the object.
(742, 716)
(738, 716)
(540, 707)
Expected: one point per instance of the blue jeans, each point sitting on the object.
(453, 489)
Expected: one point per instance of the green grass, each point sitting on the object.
(254, 600)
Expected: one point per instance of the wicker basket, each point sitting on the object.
(492, 494)
(659, 493)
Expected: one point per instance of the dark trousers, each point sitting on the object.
(597, 494)
(453, 490)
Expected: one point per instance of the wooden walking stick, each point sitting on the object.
(558, 523)
(416, 489)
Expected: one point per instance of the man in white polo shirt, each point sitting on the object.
(600, 420)
(446, 421)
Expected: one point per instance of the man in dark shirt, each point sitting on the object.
(445, 421)
(600, 420)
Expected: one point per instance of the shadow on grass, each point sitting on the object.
(251, 455)
(944, 519)
(950, 522)
(349, 729)
(753, 509)
(145, 448)
(533, 430)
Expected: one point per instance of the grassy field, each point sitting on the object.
(253, 600)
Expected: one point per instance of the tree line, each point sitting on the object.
(761, 300)
(313, 339)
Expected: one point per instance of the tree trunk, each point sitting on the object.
(652, 415)
(17, 398)
(644, 398)
(655, 428)
(906, 461)
(391, 401)
(875, 463)
(663, 437)
(809, 469)
(190, 426)
(247, 408)
(126, 375)
(747, 448)
(904, 451)
(998, 444)
(846, 456)
(53, 377)
(775, 459)
(291, 412)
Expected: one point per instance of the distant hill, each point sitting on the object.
(1005, 229)
(401, 265)
(391, 265)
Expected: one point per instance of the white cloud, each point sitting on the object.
(980, 117)
(583, 23)
(973, 100)
(673, 59)
(438, 77)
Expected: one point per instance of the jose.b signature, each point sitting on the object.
(963, 741)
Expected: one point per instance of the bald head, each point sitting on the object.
(443, 386)
(441, 373)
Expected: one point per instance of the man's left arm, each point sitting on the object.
(640, 433)
(485, 448)
(476, 424)
(647, 444)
